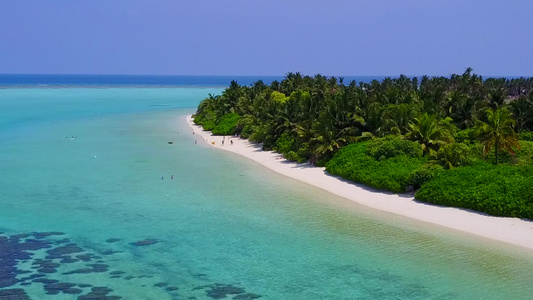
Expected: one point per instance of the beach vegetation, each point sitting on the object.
(502, 190)
(396, 134)
(455, 155)
(526, 136)
(497, 132)
(365, 163)
(423, 174)
(227, 124)
(431, 132)
(391, 146)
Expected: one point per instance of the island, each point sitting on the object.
(459, 142)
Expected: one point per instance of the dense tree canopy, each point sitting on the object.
(320, 115)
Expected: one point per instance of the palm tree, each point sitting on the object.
(327, 141)
(496, 97)
(433, 94)
(207, 109)
(453, 155)
(462, 109)
(497, 132)
(338, 125)
(429, 132)
(231, 96)
(396, 118)
(522, 110)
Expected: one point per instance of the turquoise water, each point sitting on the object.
(88, 162)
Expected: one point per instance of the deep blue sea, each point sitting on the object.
(49, 80)
(88, 210)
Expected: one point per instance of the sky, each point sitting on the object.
(258, 37)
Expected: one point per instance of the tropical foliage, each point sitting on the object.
(395, 134)
(385, 165)
(497, 132)
(504, 190)
(226, 125)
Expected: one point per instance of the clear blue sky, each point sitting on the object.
(267, 37)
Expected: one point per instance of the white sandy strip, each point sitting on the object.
(510, 230)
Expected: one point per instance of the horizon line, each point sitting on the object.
(247, 75)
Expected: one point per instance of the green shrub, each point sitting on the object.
(384, 148)
(208, 124)
(423, 174)
(247, 131)
(526, 136)
(524, 156)
(196, 119)
(284, 143)
(352, 162)
(246, 126)
(454, 155)
(465, 136)
(501, 190)
(304, 152)
(259, 133)
(322, 161)
(206, 120)
(226, 125)
(291, 155)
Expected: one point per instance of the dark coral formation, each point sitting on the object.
(21, 247)
(161, 284)
(61, 251)
(14, 249)
(57, 287)
(146, 242)
(92, 268)
(110, 252)
(13, 294)
(99, 293)
(221, 291)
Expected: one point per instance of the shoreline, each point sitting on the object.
(513, 231)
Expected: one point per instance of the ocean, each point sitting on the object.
(96, 204)
(52, 80)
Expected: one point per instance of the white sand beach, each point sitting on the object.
(509, 230)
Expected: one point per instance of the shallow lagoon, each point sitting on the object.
(83, 203)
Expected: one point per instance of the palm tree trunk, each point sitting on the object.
(496, 152)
